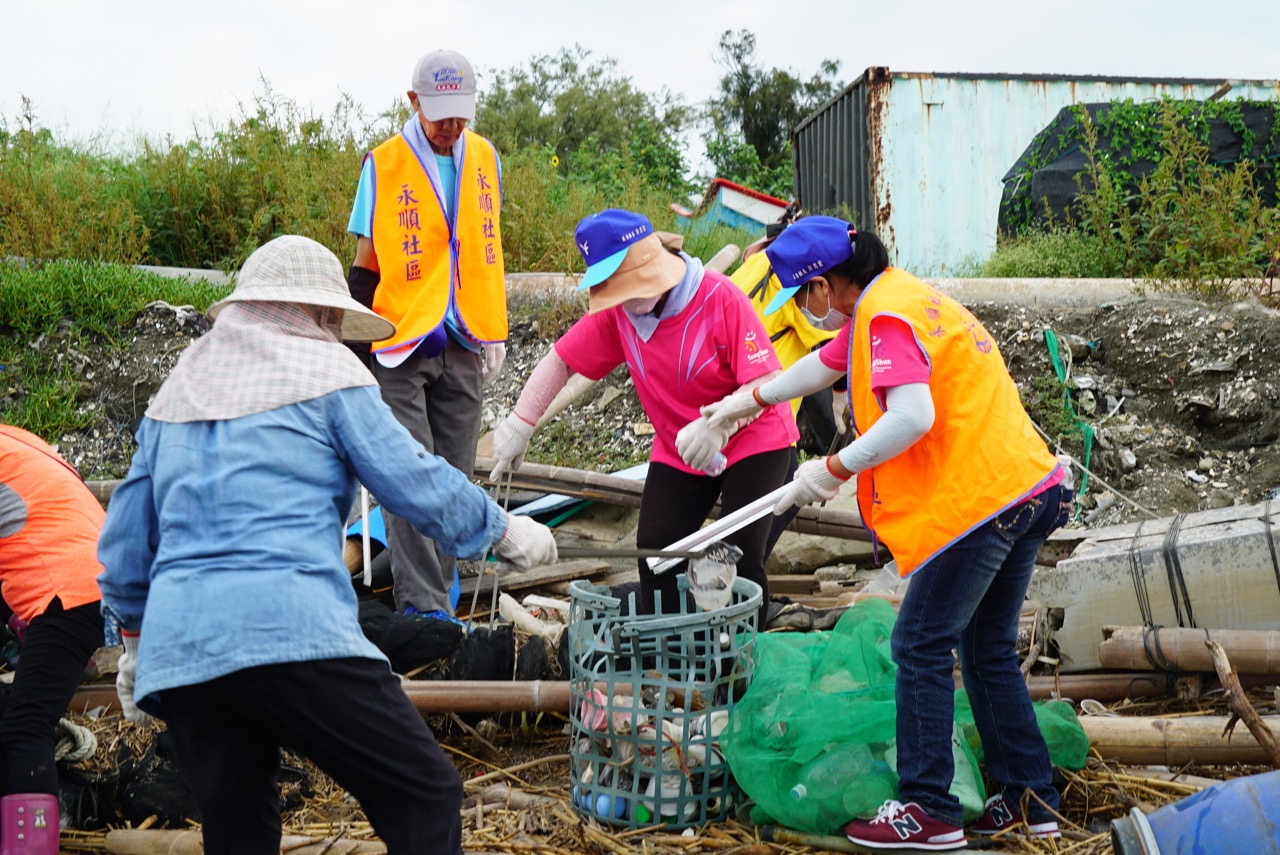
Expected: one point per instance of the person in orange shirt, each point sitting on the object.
(49, 527)
(954, 479)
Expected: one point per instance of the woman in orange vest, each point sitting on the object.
(953, 478)
(49, 526)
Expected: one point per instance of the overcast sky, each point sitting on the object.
(133, 67)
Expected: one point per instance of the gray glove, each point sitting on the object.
(732, 408)
(510, 441)
(494, 355)
(526, 544)
(698, 443)
(127, 667)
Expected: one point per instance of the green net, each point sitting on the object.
(813, 741)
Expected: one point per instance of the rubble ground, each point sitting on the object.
(1182, 396)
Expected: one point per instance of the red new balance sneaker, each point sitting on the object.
(1000, 815)
(899, 826)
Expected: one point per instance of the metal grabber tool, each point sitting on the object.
(497, 565)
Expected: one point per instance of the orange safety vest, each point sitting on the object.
(54, 553)
(427, 260)
(982, 454)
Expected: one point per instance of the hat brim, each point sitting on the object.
(437, 108)
(602, 270)
(780, 299)
(358, 323)
(650, 271)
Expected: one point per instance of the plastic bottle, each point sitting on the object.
(828, 774)
(718, 464)
(672, 789)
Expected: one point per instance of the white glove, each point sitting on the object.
(494, 355)
(814, 482)
(732, 408)
(526, 544)
(126, 668)
(698, 443)
(840, 409)
(510, 441)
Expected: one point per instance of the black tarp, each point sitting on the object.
(1044, 183)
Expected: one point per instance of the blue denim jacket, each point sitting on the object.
(224, 543)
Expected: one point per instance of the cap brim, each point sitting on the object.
(780, 299)
(437, 108)
(602, 270)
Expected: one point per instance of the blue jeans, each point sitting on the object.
(969, 598)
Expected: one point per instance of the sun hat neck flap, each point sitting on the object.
(297, 269)
(648, 270)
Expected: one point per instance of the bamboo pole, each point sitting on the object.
(483, 696)
(1173, 741)
(1135, 648)
(161, 841)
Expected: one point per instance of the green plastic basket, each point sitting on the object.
(649, 695)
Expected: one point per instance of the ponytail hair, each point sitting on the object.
(868, 261)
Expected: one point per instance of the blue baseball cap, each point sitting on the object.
(604, 238)
(807, 248)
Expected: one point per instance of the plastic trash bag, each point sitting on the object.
(711, 576)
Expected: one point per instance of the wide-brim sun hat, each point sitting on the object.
(648, 269)
(296, 269)
(809, 247)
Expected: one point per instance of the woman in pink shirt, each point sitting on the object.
(689, 337)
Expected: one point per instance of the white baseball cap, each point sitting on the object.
(445, 86)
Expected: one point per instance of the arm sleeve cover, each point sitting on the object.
(807, 376)
(547, 379)
(908, 416)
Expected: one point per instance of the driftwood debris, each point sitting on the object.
(1171, 648)
(1240, 706)
(624, 492)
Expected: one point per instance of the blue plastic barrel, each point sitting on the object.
(1240, 815)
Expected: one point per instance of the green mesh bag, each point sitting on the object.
(813, 741)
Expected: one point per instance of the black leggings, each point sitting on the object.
(349, 716)
(52, 663)
(675, 504)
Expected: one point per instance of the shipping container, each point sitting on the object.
(919, 157)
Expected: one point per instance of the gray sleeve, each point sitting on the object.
(13, 511)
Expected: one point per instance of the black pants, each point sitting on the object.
(674, 504)
(349, 716)
(54, 655)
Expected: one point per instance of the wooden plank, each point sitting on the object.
(565, 571)
(793, 585)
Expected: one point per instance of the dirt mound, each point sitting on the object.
(1183, 396)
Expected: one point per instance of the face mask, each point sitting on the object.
(829, 322)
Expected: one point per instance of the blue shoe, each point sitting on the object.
(437, 614)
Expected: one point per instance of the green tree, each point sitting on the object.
(756, 109)
(585, 112)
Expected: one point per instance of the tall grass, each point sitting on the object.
(64, 306)
(276, 168)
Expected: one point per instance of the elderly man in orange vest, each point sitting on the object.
(429, 259)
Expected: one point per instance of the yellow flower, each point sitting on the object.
(555, 160)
